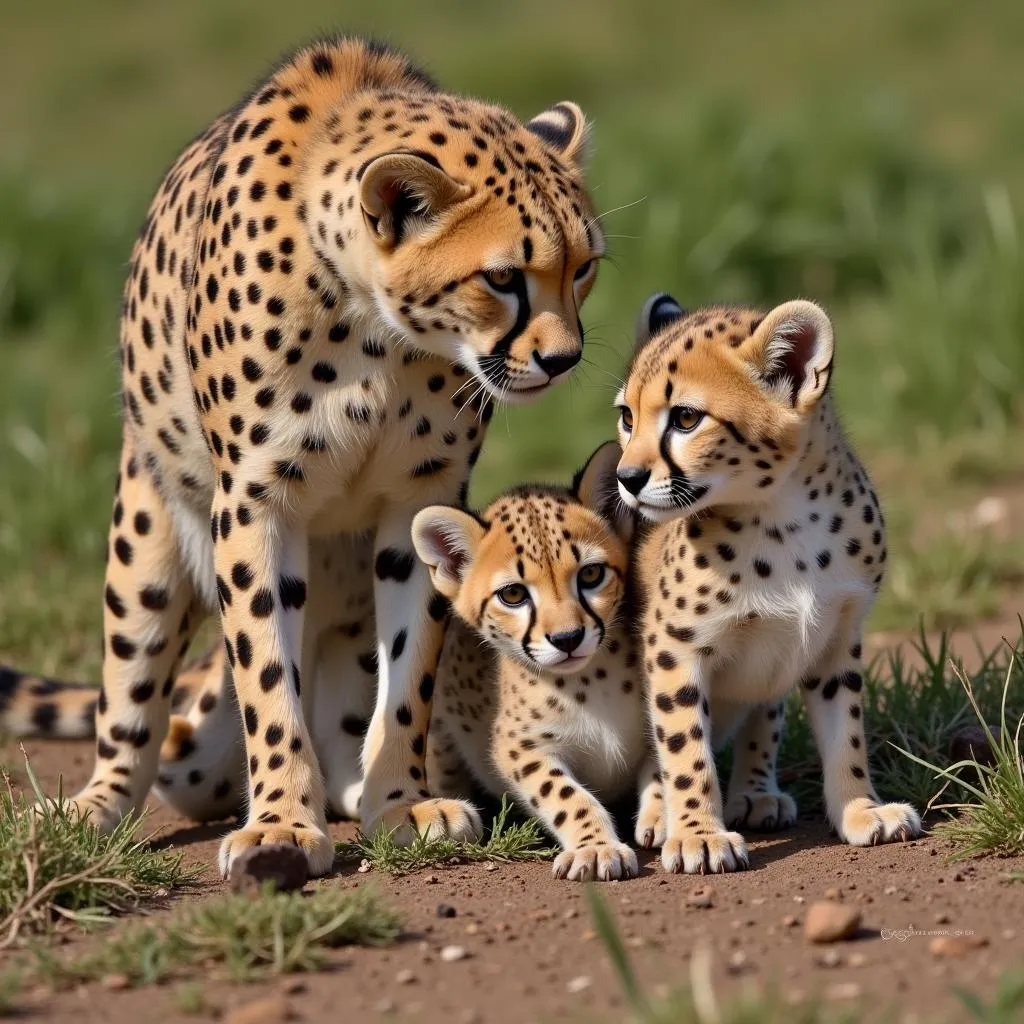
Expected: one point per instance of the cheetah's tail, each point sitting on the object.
(34, 706)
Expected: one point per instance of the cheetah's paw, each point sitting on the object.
(87, 806)
(867, 823)
(434, 818)
(763, 812)
(650, 825)
(312, 840)
(601, 863)
(713, 853)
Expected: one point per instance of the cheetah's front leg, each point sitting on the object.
(584, 829)
(410, 631)
(696, 840)
(834, 699)
(261, 579)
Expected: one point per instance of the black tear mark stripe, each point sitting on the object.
(519, 290)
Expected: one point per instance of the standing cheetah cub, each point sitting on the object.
(549, 706)
(762, 563)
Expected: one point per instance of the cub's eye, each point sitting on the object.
(583, 270)
(626, 418)
(590, 575)
(514, 595)
(684, 418)
(503, 280)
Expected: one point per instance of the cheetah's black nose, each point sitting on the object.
(633, 478)
(568, 639)
(557, 364)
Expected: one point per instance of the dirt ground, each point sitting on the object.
(533, 954)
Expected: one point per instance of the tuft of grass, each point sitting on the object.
(190, 998)
(507, 842)
(1007, 1006)
(990, 818)
(234, 937)
(54, 865)
(909, 705)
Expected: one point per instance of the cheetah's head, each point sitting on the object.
(718, 403)
(541, 574)
(467, 235)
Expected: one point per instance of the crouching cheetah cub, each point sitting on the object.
(549, 705)
(760, 562)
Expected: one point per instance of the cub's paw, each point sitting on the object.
(650, 824)
(311, 839)
(763, 812)
(867, 823)
(710, 854)
(601, 863)
(434, 818)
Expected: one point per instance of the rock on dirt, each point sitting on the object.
(281, 864)
(449, 954)
(830, 922)
(702, 898)
(956, 945)
(270, 1010)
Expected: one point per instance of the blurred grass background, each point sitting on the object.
(868, 155)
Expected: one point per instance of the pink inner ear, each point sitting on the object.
(803, 340)
(455, 556)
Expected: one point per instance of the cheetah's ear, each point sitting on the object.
(446, 540)
(659, 311)
(402, 192)
(791, 352)
(564, 128)
(596, 487)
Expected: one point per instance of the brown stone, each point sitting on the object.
(830, 922)
(269, 1010)
(956, 945)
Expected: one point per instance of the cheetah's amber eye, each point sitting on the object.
(626, 417)
(684, 418)
(503, 280)
(513, 595)
(582, 270)
(591, 575)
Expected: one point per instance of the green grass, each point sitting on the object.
(989, 817)
(852, 173)
(55, 866)
(233, 937)
(506, 842)
(699, 1003)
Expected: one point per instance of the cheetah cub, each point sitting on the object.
(537, 689)
(760, 562)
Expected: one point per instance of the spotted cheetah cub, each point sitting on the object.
(763, 559)
(537, 689)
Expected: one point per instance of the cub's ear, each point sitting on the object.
(596, 486)
(402, 192)
(659, 311)
(791, 352)
(446, 540)
(564, 128)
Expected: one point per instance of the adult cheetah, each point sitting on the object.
(333, 282)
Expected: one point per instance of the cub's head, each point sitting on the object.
(718, 403)
(467, 233)
(541, 574)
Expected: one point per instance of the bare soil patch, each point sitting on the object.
(532, 953)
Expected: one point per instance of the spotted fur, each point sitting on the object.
(332, 284)
(539, 691)
(762, 558)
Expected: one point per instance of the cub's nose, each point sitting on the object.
(557, 364)
(568, 639)
(633, 478)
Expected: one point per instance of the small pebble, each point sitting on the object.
(449, 954)
(844, 990)
(830, 958)
(115, 982)
(956, 945)
(269, 1010)
(364, 866)
(701, 898)
(830, 922)
(405, 977)
(578, 984)
(445, 910)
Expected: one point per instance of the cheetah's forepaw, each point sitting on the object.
(764, 812)
(434, 818)
(312, 840)
(596, 863)
(650, 825)
(104, 817)
(712, 853)
(867, 823)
